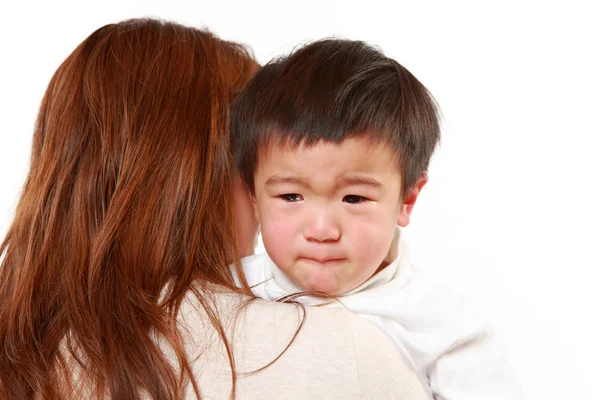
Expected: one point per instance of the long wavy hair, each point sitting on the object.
(126, 208)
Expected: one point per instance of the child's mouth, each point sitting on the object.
(322, 260)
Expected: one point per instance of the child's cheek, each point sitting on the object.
(369, 244)
(278, 238)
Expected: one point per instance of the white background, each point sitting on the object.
(511, 211)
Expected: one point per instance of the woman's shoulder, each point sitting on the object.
(308, 352)
(382, 370)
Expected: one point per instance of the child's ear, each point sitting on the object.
(409, 201)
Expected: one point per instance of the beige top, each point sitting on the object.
(336, 355)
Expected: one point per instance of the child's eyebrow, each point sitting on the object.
(278, 180)
(359, 180)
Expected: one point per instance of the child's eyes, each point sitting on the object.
(354, 199)
(296, 197)
(291, 197)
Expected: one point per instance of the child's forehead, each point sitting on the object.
(352, 155)
(363, 145)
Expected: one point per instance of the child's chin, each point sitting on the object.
(325, 284)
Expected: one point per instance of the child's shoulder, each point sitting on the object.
(438, 302)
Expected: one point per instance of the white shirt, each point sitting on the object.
(448, 342)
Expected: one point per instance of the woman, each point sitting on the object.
(115, 280)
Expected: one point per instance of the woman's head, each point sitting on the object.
(128, 191)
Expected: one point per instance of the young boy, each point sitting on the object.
(333, 143)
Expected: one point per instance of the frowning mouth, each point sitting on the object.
(325, 260)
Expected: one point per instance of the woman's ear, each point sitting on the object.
(410, 198)
(245, 223)
(255, 206)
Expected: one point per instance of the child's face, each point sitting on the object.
(328, 211)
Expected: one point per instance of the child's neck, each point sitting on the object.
(383, 265)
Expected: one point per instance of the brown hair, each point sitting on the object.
(331, 90)
(125, 209)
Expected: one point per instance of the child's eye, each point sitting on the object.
(353, 199)
(291, 197)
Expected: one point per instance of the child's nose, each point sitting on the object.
(322, 227)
